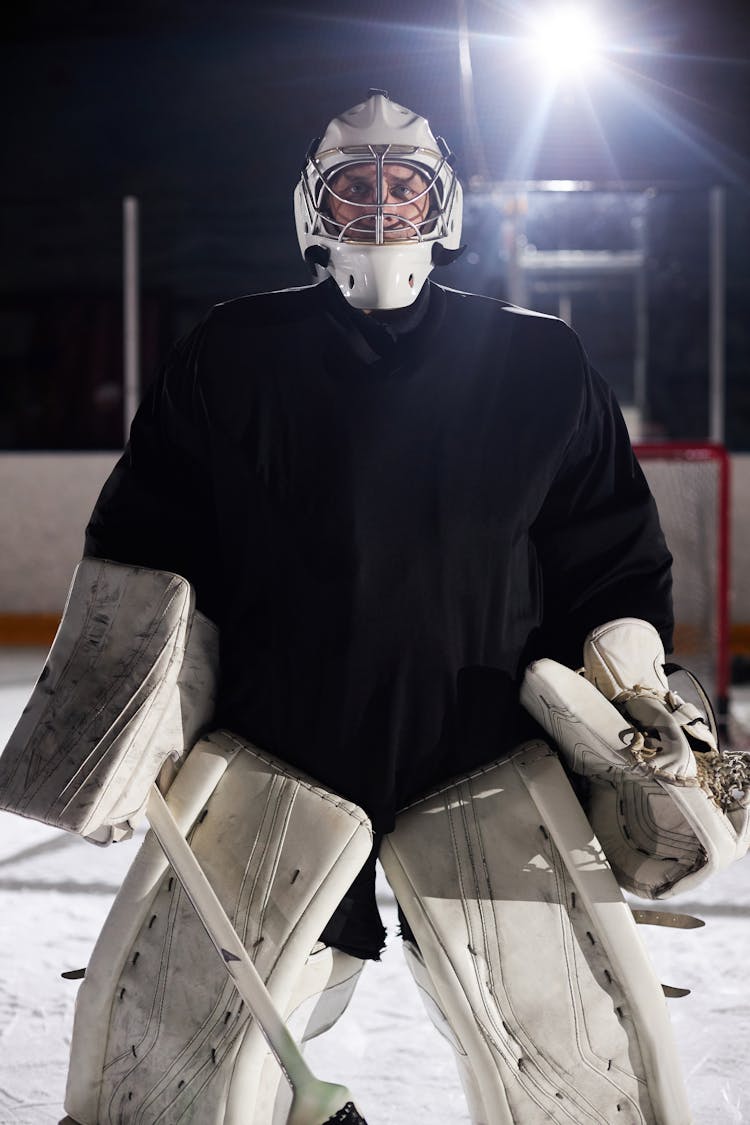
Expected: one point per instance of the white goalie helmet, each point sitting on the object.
(378, 204)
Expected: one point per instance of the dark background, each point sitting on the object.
(205, 113)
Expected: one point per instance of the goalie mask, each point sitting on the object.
(378, 204)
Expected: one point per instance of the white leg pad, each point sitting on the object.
(432, 1002)
(532, 952)
(159, 1032)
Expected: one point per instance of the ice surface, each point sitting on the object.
(55, 891)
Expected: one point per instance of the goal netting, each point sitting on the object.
(690, 483)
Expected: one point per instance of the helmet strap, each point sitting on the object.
(443, 257)
(317, 256)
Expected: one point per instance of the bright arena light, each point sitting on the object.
(566, 41)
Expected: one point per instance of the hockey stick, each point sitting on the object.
(314, 1102)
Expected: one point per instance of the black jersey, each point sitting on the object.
(387, 522)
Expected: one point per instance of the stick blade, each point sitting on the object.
(349, 1115)
(323, 1103)
(670, 918)
(670, 990)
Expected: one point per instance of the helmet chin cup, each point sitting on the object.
(379, 277)
(382, 273)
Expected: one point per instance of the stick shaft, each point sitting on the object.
(227, 942)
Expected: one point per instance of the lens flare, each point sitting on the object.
(566, 41)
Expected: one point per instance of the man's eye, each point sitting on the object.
(357, 189)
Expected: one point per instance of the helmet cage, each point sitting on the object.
(323, 168)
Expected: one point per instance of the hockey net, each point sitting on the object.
(690, 483)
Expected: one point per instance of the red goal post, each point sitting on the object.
(690, 483)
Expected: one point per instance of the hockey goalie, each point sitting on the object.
(348, 519)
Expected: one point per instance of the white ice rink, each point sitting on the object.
(55, 891)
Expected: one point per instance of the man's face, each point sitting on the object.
(405, 198)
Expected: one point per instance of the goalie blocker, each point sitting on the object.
(129, 682)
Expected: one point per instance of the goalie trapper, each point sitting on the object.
(667, 805)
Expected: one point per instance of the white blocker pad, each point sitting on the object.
(532, 953)
(159, 1032)
(130, 680)
(666, 815)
